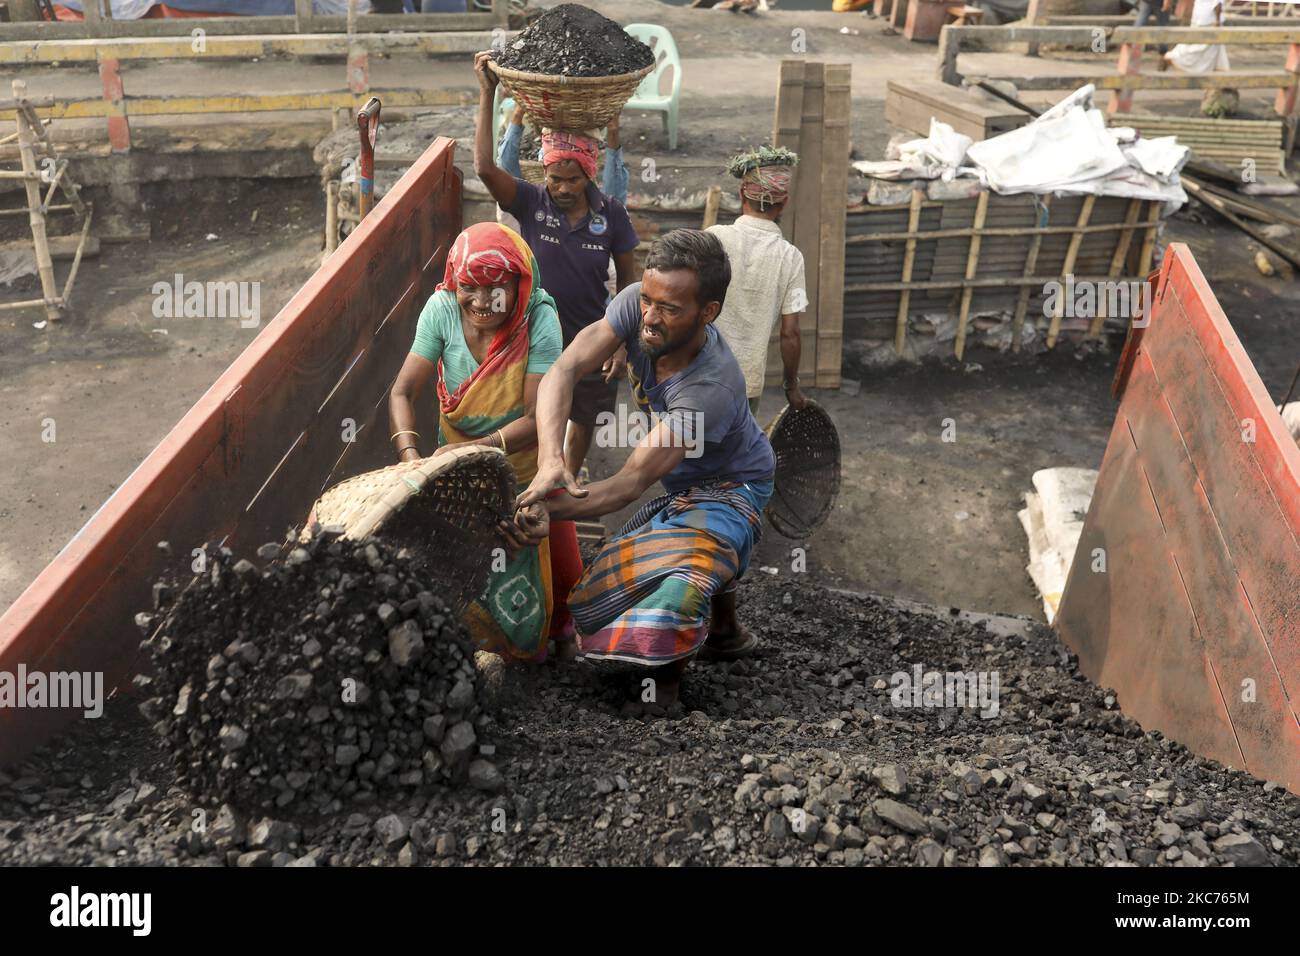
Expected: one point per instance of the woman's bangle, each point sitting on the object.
(404, 431)
(501, 437)
(407, 448)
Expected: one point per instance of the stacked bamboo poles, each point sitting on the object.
(1227, 141)
(32, 137)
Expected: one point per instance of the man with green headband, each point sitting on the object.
(767, 273)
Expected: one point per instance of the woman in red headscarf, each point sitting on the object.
(488, 334)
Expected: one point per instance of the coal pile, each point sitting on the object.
(573, 40)
(799, 756)
(314, 683)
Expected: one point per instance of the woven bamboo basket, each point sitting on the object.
(807, 480)
(570, 102)
(443, 509)
(533, 170)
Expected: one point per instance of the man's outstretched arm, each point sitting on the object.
(585, 354)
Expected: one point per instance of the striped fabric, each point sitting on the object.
(646, 599)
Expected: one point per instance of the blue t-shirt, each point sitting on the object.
(707, 398)
(439, 335)
(574, 262)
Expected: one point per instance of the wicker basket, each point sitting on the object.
(570, 102)
(533, 170)
(449, 507)
(807, 478)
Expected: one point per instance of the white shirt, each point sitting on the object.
(767, 281)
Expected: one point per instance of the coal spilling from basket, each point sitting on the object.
(340, 674)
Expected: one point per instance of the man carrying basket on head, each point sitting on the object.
(574, 230)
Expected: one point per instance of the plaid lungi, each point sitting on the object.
(646, 599)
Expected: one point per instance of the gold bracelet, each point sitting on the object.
(404, 431)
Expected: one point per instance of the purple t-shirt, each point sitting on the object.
(574, 262)
(707, 398)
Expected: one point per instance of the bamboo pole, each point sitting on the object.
(76, 259)
(331, 216)
(972, 263)
(1116, 265)
(1031, 262)
(909, 256)
(1001, 231)
(36, 216)
(1072, 253)
(999, 282)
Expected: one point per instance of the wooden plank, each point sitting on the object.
(251, 455)
(834, 188)
(787, 123)
(61, 247)
(123, 49)
(1071, 254)
(231, 26)
(807, 199)
(909, 259)
(912, 104)
(972, 263)
(1242, 80)
(184, 105)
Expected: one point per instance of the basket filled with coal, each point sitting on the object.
(573, 68)
(331, 679)
(443, 509)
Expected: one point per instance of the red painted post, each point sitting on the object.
(1284, 105)
(1130, 62)
(119, 129)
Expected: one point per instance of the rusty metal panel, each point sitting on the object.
(250, 457)
(1195, 620)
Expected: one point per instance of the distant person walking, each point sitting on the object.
(767, 273)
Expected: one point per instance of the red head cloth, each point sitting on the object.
(488, 253)
(767, 184)
(558, 146)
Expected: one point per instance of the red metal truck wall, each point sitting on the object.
(1195, 620)
(250, 458)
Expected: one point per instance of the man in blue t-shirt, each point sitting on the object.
(664, 588)
(574, 231)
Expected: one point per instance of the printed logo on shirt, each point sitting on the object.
(539, 215)
(552, 222)
(594, 246)
(545, 238)
(598, 225)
